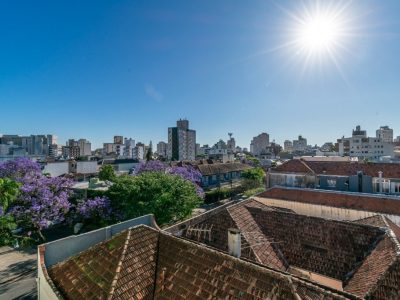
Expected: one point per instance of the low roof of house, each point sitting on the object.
(221, 168)
(356, 254)
(358, 201)
(344, 168)
(144, 263)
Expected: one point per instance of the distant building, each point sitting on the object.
(118, 139)
(259, 144)
(85, 147)
(300, 145)
(162, 149)
(288, 146)
(109, 148)
(385, 134)
(337, 175)
(181, 142)
(129, 146)
(139, 151)
(363, 147)
(70, 152)
(231, 144)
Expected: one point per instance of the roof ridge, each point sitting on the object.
(392, 236)
(278, 253)
(271, 270)
(118, 269)
(307, 166)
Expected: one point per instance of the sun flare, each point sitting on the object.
(319, 33)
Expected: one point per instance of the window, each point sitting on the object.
(331, 183)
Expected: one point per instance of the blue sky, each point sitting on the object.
(94, 69)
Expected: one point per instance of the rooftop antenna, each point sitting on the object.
(230, 135)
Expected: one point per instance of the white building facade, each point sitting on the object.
(259, 144)
(364, 147)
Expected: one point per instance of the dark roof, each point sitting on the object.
(221, 168)
(379, 266)
(356, 254)
(343, 168)
(143, 263)
(358, 201)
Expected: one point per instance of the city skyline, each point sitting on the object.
(134, 68)
(109, 139)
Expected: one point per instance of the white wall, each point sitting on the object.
(56, 169)
(86, 167)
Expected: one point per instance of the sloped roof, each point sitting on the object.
(280, 238)
(109, 269)
(221, 168)
(360, 254)
(381, 262)
(368, 202)
(143, 263)
(343, 168)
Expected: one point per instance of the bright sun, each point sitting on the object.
(319, 33)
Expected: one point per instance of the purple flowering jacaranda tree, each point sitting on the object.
(42, 201)
(186, 172)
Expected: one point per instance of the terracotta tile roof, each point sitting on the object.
(373, 203)
(280, 239)
(322, 246)
(375, 220)
(189, 271)
(342, 168)
(265, 251)
(379, 273)
(121, 268)
(148, 264)
(90, 274)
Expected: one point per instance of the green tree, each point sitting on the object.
(9, 191)
(168, 197)
(255, 162)
(254, 177)
(107, 173)
(149, 154)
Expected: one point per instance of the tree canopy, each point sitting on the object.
(107, 173)
(169, 197)
(254, 176)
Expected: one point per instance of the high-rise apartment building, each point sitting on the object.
(385, 134)
(259, 144)
(181, 142)
(38, 144)
(162, 149)
(364, 147)
(85, 147)
(139, 151)
(118, 139)
(300, 145)
(288, 146)
(231, 144)
(129, 146)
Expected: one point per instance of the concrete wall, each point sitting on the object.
(323, 211)
(61, 249)
(86, 167)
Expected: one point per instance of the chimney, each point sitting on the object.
(380, 173)
(234, 242)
